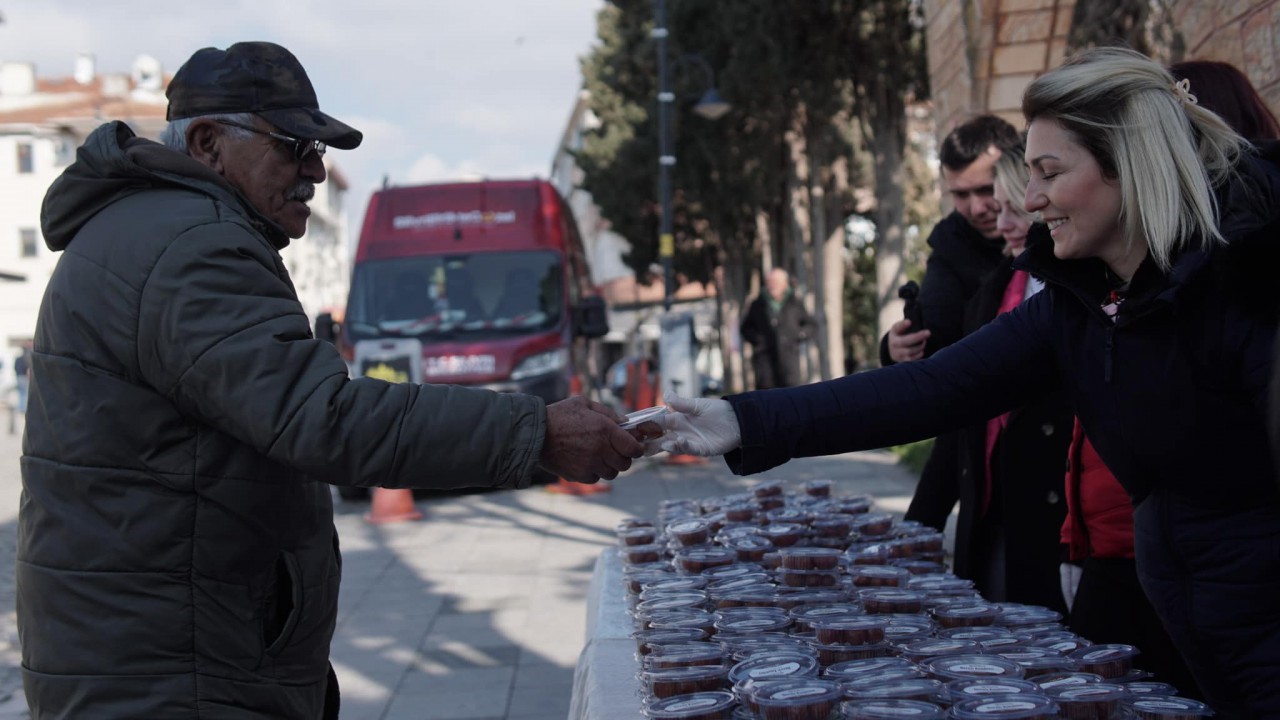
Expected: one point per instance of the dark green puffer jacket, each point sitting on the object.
(176, 550)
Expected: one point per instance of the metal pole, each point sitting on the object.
(666, 159)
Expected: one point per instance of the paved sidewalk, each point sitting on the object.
(479, 611)
(12, 703)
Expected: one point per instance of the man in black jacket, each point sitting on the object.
(966, 248)
(966, 245)
(776, 324)
(177, 556)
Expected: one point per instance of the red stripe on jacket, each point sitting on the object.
(1094, 495)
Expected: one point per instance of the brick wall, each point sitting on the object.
(984, 53)
(1245, 33)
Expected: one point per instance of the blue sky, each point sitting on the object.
(441, 88)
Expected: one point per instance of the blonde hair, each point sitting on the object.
(1166, 152)
(1012, 177)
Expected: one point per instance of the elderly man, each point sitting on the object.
(177, 555)
(776, 324)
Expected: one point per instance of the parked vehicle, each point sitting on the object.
(482, 284)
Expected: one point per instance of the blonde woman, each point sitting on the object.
(1157, 322)
(1008, 474)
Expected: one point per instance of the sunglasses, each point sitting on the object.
(301, 148)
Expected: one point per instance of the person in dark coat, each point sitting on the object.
(1008, 479)
(1157, 322)
(22, 371)
(1224, 89)
(177, 556)
(776, 324)
(1108, 603)
(965, 247)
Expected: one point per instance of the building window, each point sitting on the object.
(25, 164)
(28, 239)
(64, 152)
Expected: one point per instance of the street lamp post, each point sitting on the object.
(711, 106)
(666, 159)
(677, 341)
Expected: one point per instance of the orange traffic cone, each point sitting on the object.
(681, 459)
(565, 487)
(390, 506)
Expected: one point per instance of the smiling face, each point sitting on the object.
(972, 192)
(265, 171)
(1012, 222)
(1078, 202)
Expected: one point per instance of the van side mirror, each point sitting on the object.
(590, 320)
(327, 328)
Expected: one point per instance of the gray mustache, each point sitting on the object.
(303, 191)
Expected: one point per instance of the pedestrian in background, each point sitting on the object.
(177, 556)
(1158, 321)
(776, 325)
(22, 373)
(1222, 88)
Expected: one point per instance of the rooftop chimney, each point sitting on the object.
(86, 68)
(17, 78)
(147, 74)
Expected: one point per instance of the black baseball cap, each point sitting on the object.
(260, 78)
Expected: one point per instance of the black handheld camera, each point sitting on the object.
(910, 292)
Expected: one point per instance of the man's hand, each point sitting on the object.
(906, 346)
(584, 443)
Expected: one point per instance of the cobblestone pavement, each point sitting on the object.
(12, 703)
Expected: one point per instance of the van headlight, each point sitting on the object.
(541, 364)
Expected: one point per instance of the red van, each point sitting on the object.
(481, 284)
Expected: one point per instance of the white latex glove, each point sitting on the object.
(1070, 574)
(700, 426)
(654, 446)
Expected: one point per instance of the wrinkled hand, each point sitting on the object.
(699, 426)
(584, 443)
(906, 346)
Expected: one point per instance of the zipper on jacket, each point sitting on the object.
(1111, 336)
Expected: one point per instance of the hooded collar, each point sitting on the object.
(114, 163)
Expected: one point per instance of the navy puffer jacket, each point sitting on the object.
(1173, 395)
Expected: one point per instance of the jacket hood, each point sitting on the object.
(113, 163)
(1252, 200)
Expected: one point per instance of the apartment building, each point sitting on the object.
(42, 122)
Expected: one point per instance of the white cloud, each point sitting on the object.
(482, 87)
(486, 118)
(431, 168)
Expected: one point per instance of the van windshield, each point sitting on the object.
(479, 295)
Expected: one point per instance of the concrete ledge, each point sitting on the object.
(604, 681)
